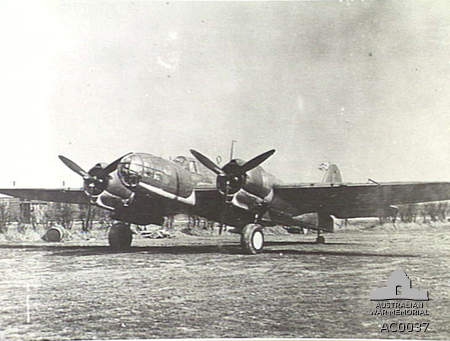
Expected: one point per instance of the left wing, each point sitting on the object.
(70, 196)
(360, 200)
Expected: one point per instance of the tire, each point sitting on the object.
(120, 236)
(54, 234)
(252, 239)
(320, 240)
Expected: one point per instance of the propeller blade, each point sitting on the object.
(207, 162)
(256, 161)
(74, 167)
(113, 165)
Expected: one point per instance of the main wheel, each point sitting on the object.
(320, 240)
(252, 239)
(120, 236)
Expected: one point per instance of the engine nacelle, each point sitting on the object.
(256, 190)
(256, 181)
(259, 183)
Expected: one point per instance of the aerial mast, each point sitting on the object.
(232, 149)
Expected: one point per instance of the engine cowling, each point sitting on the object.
(240, 181)
(256, 182)
(259, 183)
(101, 184)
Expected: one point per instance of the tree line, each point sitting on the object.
(426, 212)
(62, 214)
(51, 214)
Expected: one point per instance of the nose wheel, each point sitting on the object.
(120, 236)
(252, 239)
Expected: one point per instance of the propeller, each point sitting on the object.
(74, 167)
(96, 179)
(231, 177)
(207, 162)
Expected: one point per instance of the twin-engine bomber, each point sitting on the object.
(140, 188)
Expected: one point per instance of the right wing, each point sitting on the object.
(70, 196)
(360, 200)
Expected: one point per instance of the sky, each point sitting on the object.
(364, 84)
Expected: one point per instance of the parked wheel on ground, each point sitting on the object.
(120, 236)
(252, 239)
(54, 234)
(320, 240)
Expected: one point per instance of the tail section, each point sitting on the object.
(332, 175)
(323, 221)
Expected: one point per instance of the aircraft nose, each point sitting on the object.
(130, 170)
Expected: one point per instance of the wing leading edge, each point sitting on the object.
(360, 200)
(342, 200)
(70, 196)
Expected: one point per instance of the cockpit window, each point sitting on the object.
(193, 167)
(148, 172)
(155, 170)
(158, 176)
(130, 169)
(180, 160)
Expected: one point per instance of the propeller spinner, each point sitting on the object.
(231, 177)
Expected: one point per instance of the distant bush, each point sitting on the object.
(432, 211)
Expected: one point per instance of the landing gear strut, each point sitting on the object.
(120, 236)
(320, 239)
(326, 223)
(252, 239)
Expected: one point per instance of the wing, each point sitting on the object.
(71, 196)
(210, 204)
(360, 200)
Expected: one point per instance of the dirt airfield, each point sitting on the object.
(202, 286)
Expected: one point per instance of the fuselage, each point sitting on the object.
(144, 188)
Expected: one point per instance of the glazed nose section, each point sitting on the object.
(130, 170)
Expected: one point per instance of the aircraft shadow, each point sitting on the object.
(266, 243)
(231, 249)
(339, 253)
(88, 250)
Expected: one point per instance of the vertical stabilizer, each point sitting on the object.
(332, 175)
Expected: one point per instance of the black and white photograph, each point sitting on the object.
(225, 170)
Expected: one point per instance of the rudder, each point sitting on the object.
(332, 175)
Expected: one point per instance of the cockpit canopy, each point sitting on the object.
(187, 163)
(130, 170)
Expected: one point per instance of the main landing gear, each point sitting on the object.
(326, 223)
(320, 239)
(252, 239)
(120, 236)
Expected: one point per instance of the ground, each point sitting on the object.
(202, 286)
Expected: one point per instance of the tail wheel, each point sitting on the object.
(252, 239)
(120, 236)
